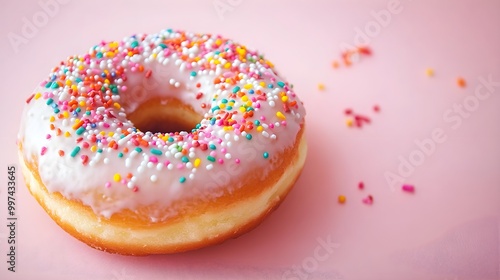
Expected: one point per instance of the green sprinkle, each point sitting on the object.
(156, 152)
(47, 85)
(224, 100)
(75, 151)
(49, 101)
(99, 55)
(193, 73)
(138, 149)
(134, 44)
(99, 150)
(212, 146)
(249, 136)
(266, 154)
(236, 89)
(256, 122)
(163, 46)
(182, 179)
(120, 154)
(211, 158)
(54, 85)
(80, 130)
(281, 84)
(185, 159)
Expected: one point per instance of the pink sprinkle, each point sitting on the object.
(361, 185)
(408, 188)
(44, 149)
(153, 159)
(180, 166)
(237, 160)
(368, 200)
(48, 136)
(107, 185)
(223, 150)
(221, 161)
(213, 153)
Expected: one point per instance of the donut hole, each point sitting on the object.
(164, 116)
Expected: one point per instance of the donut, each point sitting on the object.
(162, 143)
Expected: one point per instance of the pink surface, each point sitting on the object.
(448, 229)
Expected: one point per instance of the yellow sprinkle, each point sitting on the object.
(241, 51)
(260, 128)
(227, 128)
(117, 177)
(111, 133)
(130, 53)
(262, 84)
(113, 44)
(93, 148)
(244, 98)
(269, 63)
(80, 67)
(218, 42)
(74, 87)
(222, 106)
(117, 105)
(284, 98)
(242, 109)
(38, 95)
(429, 72)
(248, 86)
(280, 115)
(52, 118)
(341, 199)
(349, 122)
(82, 103)
(65, 114)
(67, 134)
(197, 162)
(102, 133)
(227, 65)
(321, 86)
(68, 82)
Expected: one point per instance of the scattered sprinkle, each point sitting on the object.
(408, 188)
(368, 200)
(341, 199)
(429, 72)
(461, 82)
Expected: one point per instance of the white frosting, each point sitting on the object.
(158, 174)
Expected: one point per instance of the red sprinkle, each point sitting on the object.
(148, 73)
(29, 98)
(361, 185)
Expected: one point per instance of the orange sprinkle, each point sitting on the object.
(341, 199)
(461, 82)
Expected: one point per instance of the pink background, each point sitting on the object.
(448, 229)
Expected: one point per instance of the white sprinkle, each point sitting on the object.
(153, 178)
